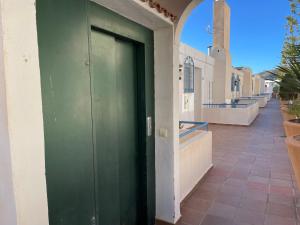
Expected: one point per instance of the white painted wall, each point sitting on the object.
(204, 69)
(257, 82)
(247, 81)
(232, 116)
(8, 213)
(221, 53)
(166, 117)
(270, 85)
(23, 189)
(241, 76)
(195, 161)
(222, 75)
(262, 86)
(261, 100)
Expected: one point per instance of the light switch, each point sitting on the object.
(163, 132)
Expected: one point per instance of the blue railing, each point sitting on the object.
(224, 105)
(253, 97)
(197, 126)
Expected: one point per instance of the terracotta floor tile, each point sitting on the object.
(235, 182)
(255, 186)
(180, 222)
(226, 199)
(233, 190)
(197, 204)
(190, 216)
(256, 195)
(216, 220)
(252, 180)
(277, 220)
(281, 176)
(281, 190)
(249, 217)
(281, 183)
(222, 210)
(258, 179)
(204, 194)
(281, 210)
(210, 186)
(254, 205)
(282, 199)
(242, 175)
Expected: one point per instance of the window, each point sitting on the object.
(189, 72)
(233, 83)
(238, 84)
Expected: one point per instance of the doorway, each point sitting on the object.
(98, 94)
(114, 88)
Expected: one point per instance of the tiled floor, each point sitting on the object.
(251, 182)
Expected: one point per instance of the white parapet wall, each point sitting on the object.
(195, 160)
(262, 100)
(241, 115)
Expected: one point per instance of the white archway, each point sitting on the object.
(182, 19)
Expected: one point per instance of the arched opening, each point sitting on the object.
(196, 38)
(194, 90)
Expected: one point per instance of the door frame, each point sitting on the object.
(101, 18)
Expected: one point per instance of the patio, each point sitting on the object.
(252, 181)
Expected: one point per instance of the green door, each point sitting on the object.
(115, 122)
(98, 90)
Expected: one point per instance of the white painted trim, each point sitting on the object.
(25, 139)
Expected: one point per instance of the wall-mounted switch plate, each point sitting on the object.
(163, 132)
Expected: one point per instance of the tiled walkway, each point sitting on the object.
(251, 182)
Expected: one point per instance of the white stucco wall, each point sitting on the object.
(204, 71)
(232, 116)
(166, 111)
(247, 81)
(23, 188)
(8, 214)
(270, 85)
(262, 86)
(240, 74)
(256, 85)
(195, 161)
(221, 53)
(261, 100)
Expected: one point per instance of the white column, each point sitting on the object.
(166, 119)
(22, 164)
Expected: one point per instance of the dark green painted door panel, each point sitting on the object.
(114, 85)
(127, 130)
(104, 19)
(105, 127)
(63, 51)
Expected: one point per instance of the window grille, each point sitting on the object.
(233, 83)
(189, 75)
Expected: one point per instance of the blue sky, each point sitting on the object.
(257, 31)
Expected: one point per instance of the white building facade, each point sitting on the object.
(190, 104)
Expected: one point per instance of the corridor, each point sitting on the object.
(251, 182)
